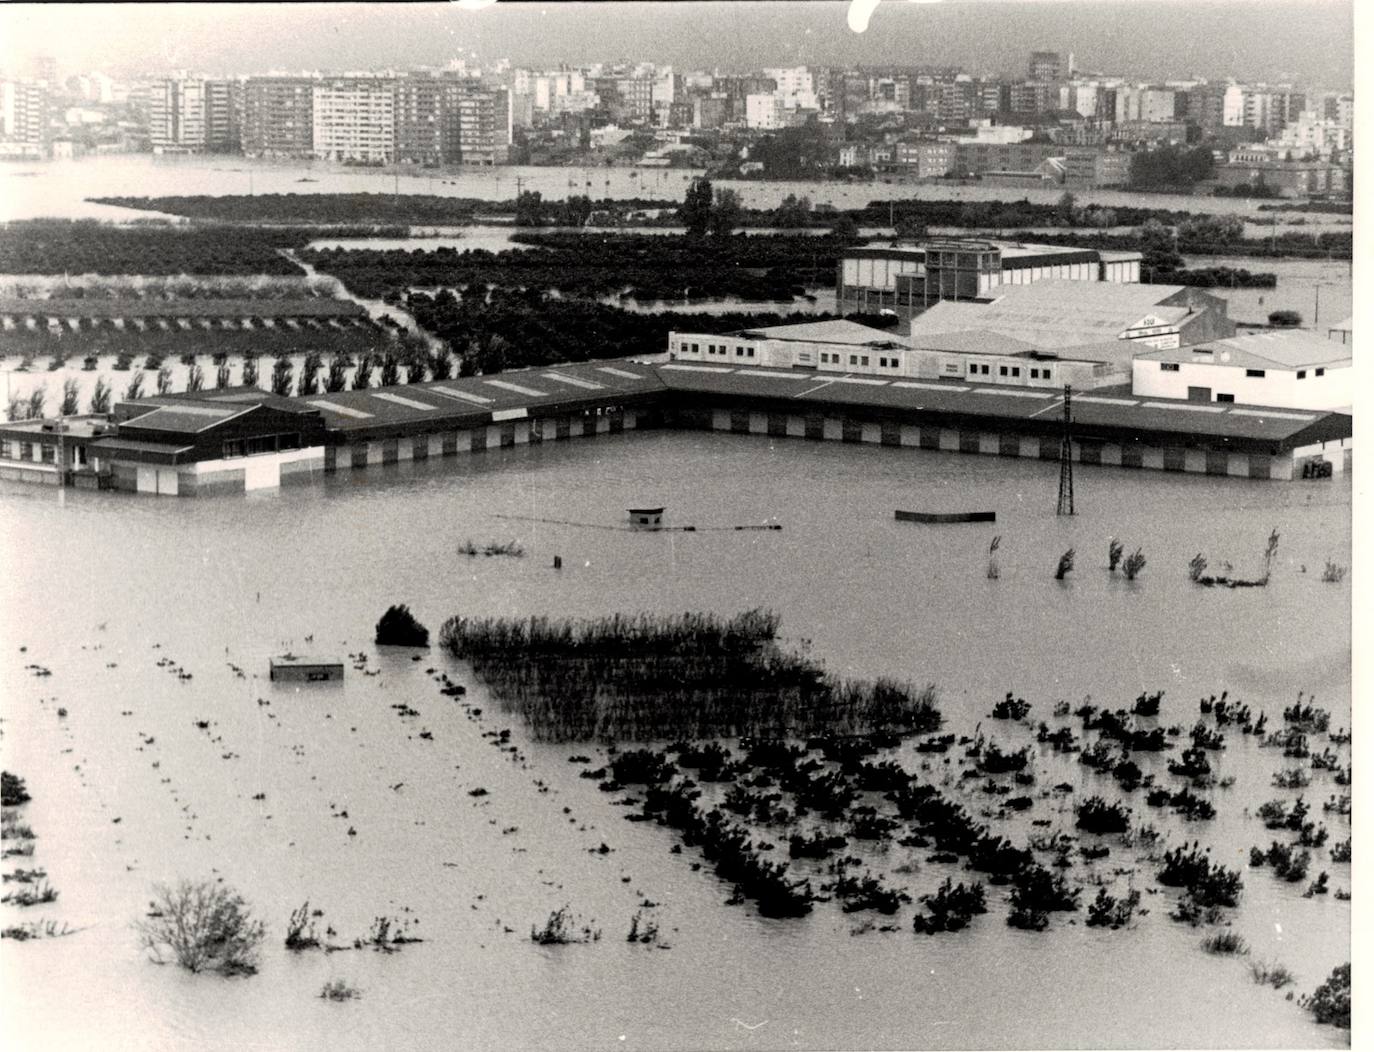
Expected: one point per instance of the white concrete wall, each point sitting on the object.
(1278, 387)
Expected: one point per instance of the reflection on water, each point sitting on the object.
(104, 578)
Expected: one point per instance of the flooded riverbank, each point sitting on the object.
(266, 794)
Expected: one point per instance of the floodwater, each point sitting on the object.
(128, 790)
(60, 187)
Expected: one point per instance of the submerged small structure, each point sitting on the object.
(945, 516)
(646, 516)
(289, 668)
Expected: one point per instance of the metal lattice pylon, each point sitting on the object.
(1066, 457)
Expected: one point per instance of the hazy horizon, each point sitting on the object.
(1309, 42)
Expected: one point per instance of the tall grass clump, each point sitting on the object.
(994, 570)
(1225, 943)
(1115, 549)
(645, 677)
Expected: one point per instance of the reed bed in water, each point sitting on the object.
(643, 677)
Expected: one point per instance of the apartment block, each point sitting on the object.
(278, 117)
(354, 120)
(24, 113)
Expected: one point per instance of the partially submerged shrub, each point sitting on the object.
(1271, 974)
(339, 990)
(563, 928)
(1108, 911)
(1135, 562)
(399, 628)
(1096, 815)
(950, 908)
(202, 926)
(1114, 551)
(13, 791)
(1333, 574)
(1065, 565)
(1330, 1002)
(300, 929)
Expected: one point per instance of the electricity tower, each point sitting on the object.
(1066, 458)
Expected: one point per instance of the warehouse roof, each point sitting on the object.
(1291, 349)
(1104, 415)
(1057, 313)
(834, 331)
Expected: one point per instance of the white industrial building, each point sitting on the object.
(1290, 369)
(910, 280)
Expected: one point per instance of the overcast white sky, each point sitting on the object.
(1306, 40)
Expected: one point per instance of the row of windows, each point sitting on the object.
(1172, 367)
(12, 450)
(741, 351)
(248, 447)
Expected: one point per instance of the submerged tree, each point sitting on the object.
(164, 379)
(37, 397)
(100, 397)
(1135, 562)
(1065, 565)
(222, 376)
(1114, 552)
(391, 371)
(135, 389)
(337, 378)
(203, 926)
(994, 571)
(398, 627)
(309, 381)
(195, 377)
(281, 375)
(250, 370)
(71, 397)
(362, 376)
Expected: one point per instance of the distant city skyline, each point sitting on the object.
(1309, 42)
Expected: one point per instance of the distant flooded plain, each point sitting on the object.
(360, 797)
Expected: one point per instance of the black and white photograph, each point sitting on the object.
(680, 526)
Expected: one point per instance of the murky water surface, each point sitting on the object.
(128, 790)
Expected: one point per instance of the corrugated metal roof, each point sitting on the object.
(1119, 419)
(835, 331)
(1288, 349)
(188, 419)
(1054, 313)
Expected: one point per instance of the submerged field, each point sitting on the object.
(385, 797)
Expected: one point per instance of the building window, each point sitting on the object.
(6, 449)
(696, 348)
(1168, 367)
(953, 367)
(749, 352)
(25, 450)
(1035, 374)
(233, 448)
(853, 359)
(1015, 370)
(863, 360)
(1226, 398)
(1321, 372)
(1302, 374)
(1255, 372)
(1002, 370)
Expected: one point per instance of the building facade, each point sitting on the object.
(278, 117)
(354, 120)
(1287, 370)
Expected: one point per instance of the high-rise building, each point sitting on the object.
(278, 117)
(192, 115)
(24, 114)
(477, 122)
(1050, 66)
(354, 119)
(419, 120)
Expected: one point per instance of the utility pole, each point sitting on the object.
(1066, 458)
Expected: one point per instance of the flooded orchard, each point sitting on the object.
(157, 749)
